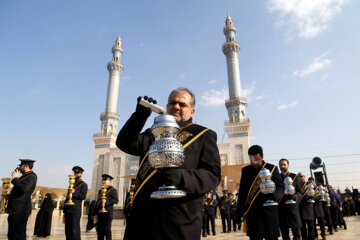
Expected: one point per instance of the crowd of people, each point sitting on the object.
(262, 211)
(309, 215)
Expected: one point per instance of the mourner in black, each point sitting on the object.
(19, 202)
(104, 219)
(73, 213)
(44, 217)
(289, 215)
(225, 206)
(91, 215)
(334, 208)
(233, 206)
(318, 210)
(306, 210)
(210, 211)
(177, 218)
(129, 199)
(260, 221)
(204, 217)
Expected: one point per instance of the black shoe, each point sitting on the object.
(223, 232)
(336, 229)
(214, 234)
(204, 234)
(345, 227)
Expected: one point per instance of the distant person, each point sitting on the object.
(224, 205)
(261, 221)
(73, 213)
(19, 204)
(319, 214)
(90, 223)
(44, 217)
(129, 199)
(307, 211)
(233, 205)
(104, 219)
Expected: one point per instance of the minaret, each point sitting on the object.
(109, 118)
(238, 127)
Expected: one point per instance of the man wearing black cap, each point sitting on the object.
(260, 221)
(129, 199)
(19, 203)
(73, 213)
(225, 206)
(104, 219)
(177, 218)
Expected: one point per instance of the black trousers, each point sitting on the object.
(205, 228)
(233, 221)
(334, 217)
(17, 226)
(103, 229)
(72, 226)
(225, 217)
(307, 230)
(321, 223)
(285, 233)
(210, 219)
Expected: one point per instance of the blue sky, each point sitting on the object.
(299, 69)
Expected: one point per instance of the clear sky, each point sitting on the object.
(299, 69)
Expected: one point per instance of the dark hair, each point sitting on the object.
(311, 178)
(284, 159)
(255, 149)
(183, 89)
(30, 165)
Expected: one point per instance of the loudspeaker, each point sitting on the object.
(319, 177)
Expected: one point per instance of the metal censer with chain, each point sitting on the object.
(166, 151)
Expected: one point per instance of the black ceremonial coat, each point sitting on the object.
(318, 207)
(289, 214)
(111, 199)
(44, 218)
(178, 218)
(77, 197)
(20, 196)
(306, 208)
(261, 221)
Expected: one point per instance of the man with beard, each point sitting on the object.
(306, 208)
(104, 219)
(260, 221)
(19, 203)
(73, 213)
(172, 218)
(289, 215)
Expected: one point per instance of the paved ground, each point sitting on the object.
(57, 230)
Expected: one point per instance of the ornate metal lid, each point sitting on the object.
(165, 121)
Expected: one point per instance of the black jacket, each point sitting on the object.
(261, 221)
(77, 197)
(111, 199)
(289, 214)
(178, 218)
(20, 195)
(306, 208)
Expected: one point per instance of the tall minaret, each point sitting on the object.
(238, 127)
(109, 118)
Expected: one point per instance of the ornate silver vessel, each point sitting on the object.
(310, 192)
(267, 186)
(321, 193)
(289, 189)
(166, 152)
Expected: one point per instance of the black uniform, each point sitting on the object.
(225, 207)
(19, 205)
(128, 202)
(73, 213)
(289, 215)
(233, 205)
(104, 219)
(178, 218)
(334, 209)
(319, 214)
(307, 214)
(327, 216)
(261, 221)
(210, 212)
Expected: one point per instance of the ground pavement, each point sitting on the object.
(57, 229)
